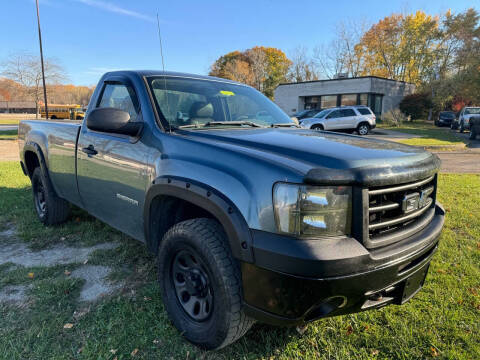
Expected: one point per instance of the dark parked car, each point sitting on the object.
(250, 217)
(306, 113)
(445, 118)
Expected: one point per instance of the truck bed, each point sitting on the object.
(57, 141)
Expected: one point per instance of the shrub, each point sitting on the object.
(394, 118)
(416, 105)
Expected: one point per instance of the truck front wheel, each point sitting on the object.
(201, 284)
(50, 208)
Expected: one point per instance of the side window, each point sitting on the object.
(364, 111)
(334, 114)
(348, 112)
(178, 106)
(121, 97)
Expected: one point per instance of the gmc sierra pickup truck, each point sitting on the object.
(250, 217)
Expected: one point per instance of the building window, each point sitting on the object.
(363, 99)
(349, 99)
(312, 102)
(328, 101)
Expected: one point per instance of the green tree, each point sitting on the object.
(416, 105)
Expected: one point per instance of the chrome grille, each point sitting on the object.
(396, 212)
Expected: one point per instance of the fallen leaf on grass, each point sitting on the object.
(62, 238)
(375, 352)
(156, 341)
(68, 326)
(441, 271)
(67, 273)
(113, 351)
(473, 291)
(31, 275)
(134, 352)
(434, 351)
(85, 262)
(146, 298)
(349, 329)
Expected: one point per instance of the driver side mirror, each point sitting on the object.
(112, 120)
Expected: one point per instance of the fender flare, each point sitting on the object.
(35, 148)
(209, 199)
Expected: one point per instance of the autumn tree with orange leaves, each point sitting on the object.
(261, 67)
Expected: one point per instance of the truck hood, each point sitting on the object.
(326, 157)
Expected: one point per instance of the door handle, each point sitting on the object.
(90, 150)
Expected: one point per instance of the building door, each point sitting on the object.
(375, 103)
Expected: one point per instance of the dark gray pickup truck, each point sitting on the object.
(251, 217)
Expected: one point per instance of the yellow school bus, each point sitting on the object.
(55, 111)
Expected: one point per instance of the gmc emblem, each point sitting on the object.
(410, 202)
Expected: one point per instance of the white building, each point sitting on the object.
(380, 94)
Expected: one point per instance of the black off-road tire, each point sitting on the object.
(462, 128)
(317, 127)
(50, 208)
(205, 239)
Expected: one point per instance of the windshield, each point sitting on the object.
(322, 114)
(301, 113)
(197, 103)
(447, 114)
(469, 111)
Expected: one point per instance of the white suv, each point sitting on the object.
(359, 118)
(464, 118)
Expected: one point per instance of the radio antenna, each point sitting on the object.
(163, 69)
(160, 39)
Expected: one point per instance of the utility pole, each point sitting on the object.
(41, 60)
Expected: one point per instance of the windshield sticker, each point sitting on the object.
(227, 93)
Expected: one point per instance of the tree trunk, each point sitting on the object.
(36, 110)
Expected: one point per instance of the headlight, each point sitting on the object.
(312, 211)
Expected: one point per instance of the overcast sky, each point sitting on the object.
(89, 37)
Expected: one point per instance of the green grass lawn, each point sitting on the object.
(8, 134)
(442, 321)
(14, 119)
(430, 135)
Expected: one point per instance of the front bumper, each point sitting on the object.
(445, 121)
(296, 281)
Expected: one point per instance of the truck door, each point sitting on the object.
(111, 168)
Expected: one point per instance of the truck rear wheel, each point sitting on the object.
(201, 284)
(50, 208)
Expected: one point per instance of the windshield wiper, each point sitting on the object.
(284, 125)
(215, 123)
